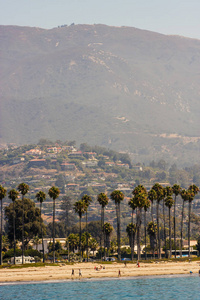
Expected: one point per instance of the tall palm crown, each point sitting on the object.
(103, 199)
(13, 194)
(54, 192)
(2, 195)
(23, 188)
(40, 196)
(117, 196)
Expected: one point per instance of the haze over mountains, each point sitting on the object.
(118, 87)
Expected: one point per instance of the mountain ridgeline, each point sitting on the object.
(118, 87)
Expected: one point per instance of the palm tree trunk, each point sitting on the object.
(22, 229)
(132, 242)
(14, 231)
(104, 238)
(42, 231)
(101, 234)
(1, 232)
(145, 233)
(53, 230)
(118, 231)
(158, 235)
(189, 227)
(138, 232)
(182, 228)
(87, 234)
(80, 237)
(170, 240)
(175, 225)
(164, 229)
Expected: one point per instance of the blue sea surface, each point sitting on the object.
(171, 287)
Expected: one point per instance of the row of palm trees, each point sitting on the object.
(141, 200)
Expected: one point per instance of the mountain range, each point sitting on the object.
(127, 89)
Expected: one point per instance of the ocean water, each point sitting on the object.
(171, 287)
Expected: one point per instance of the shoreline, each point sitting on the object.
(96, 279)
(110, 272)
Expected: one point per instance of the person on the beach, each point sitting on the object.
(72, 272)
(119, 274)
(80, 274)
(125, 264)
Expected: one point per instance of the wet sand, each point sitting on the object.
(88, 270)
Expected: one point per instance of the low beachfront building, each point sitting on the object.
(18, 260)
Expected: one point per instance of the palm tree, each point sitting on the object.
(146, 206)
(152, 232)
(36, 241)
(72, 241)
(79, 207)
(13, 194)
(23, 188)
(132, 204)
(140, 199)
(93, 244)
(87, 199)
(108, 229)
(159, 196)
(54, 193)
(167, 193)
(41, 196)
(176, 191)
(117, 196)
(103, 201)
(169, 202)
(131, 229)
(193, 190)
(2, 195)
(185, 197)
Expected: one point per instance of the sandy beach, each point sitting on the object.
(88, 270)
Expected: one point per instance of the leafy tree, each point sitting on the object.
(117, 196)
(32, 220)
(94, 227)
(176, 191)
(41, 196)
(23, 188)
(2, 195)
(13, 195)
(54, 194)
(103, 201)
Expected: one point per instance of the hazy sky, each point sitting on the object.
(181, 17)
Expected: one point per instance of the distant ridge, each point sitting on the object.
(119, 87)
